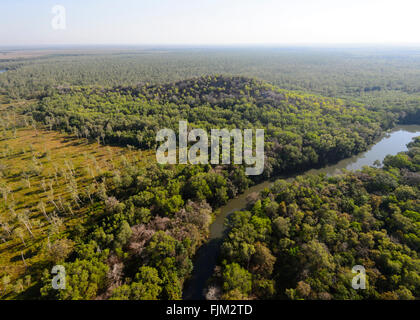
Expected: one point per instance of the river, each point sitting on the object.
(392, 142)
(2, 70)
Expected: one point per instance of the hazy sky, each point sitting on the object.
(28, 22)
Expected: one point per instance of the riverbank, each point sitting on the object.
(392, 142)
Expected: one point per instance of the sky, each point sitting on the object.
(210, 22)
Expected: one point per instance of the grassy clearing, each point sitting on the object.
(43, 178)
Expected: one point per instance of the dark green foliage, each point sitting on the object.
(140, 224)
(301, 130)
(147, 286)
(235, 277)
(323, 226)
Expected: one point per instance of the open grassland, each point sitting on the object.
(47, 181)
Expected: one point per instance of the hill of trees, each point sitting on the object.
(301, 130)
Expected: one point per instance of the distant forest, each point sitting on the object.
(378, 76)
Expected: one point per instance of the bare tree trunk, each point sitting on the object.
(28, 228)
(23, 259)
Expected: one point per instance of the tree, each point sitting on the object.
(262, 261)
(161, 249)
(84, 280)
(58, 251)
(147, 286)
(123, 235)
(235, 277)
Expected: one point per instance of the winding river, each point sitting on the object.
(392, 142)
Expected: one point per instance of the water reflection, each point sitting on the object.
(394, 142)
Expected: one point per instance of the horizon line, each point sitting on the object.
(211, 45)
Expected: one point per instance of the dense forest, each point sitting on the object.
(125, 227)
(371, 74)
(300, 239)
(301, 130)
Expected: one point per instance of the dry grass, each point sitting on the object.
(41, 168)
